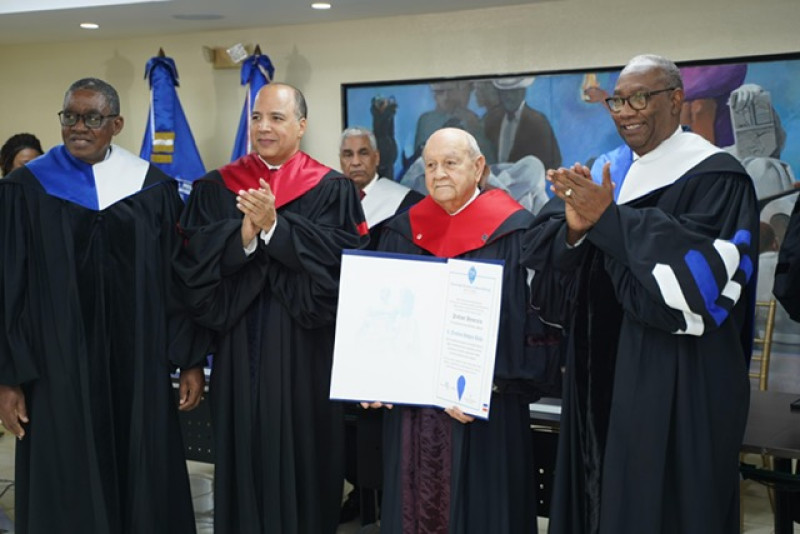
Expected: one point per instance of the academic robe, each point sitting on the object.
(385, 199)
(787, 292)
(787, 272)
(658, 304)
(442, 476)
(92, 330)
(278, 438)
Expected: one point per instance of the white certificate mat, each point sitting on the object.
(417, 330)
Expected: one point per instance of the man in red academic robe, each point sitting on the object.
(263, 242)
(445, 472)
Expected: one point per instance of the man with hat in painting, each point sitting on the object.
(518, 130)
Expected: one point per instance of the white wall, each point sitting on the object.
(548, 35)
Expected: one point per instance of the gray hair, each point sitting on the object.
(669, 71)
(359, 131)
(300, 106)
(472, 146)
(99, 86)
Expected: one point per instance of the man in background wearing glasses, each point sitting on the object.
(90, 332)
(650, 266)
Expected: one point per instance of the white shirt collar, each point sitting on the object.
(462, 208)
(270, 166)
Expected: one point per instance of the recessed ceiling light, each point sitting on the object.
(198, 16)
(89, 25)
(321, 5)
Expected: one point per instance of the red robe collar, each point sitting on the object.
(448, 236)
(296, 177)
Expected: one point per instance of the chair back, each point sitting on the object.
(764, 342)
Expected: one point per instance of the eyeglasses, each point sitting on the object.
(637, 101)
(91, 120)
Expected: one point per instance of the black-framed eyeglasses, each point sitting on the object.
(91, 120)
(637, 101)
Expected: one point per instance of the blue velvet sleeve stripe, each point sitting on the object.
(746, 266)
(743, 239)
(706, 284)
(710, 282)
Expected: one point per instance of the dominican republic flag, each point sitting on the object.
(257, 71)
(168, 141)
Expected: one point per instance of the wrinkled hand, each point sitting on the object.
(458, 415)
(192, 384)
(375, 405)
(584, 200)
(258, 207)
(13, 410)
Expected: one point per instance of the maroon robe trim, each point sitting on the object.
(296, 177)
(448, 236)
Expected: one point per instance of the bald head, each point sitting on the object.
(454, 136)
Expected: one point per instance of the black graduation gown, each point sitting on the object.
(491, 484)
(278, 438)
(411, 198)
(787, 272)
(787, 291)
(91, 330)
(367, 432)
(652, 421)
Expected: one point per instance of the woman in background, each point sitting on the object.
(19, 150)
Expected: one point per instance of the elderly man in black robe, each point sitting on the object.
(654, 279)
(260, 264)
(381, 198)
(445, 472)
(92, 328)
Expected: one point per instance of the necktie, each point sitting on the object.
(507, 131)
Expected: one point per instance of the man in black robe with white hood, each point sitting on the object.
(91, 329)
(654, 280)
(381, 198)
